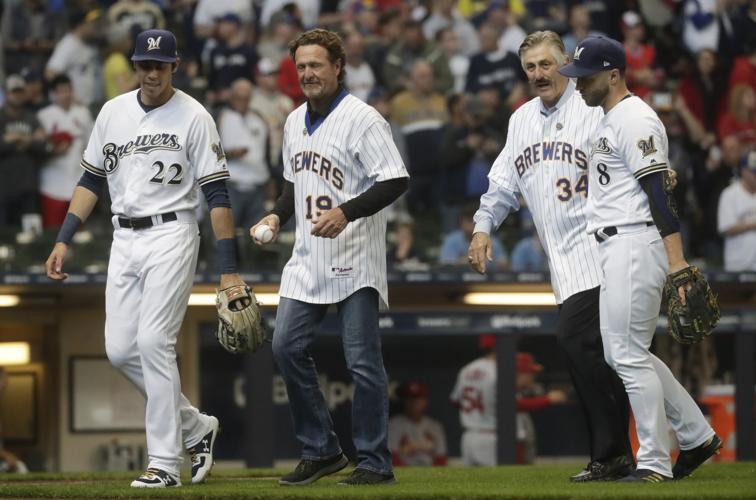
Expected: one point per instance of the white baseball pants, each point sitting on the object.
(150, 278)
(479, 448)
(634, 265)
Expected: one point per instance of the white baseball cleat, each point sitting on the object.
(202, 453)
(156, 478)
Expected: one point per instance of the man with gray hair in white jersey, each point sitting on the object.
(341, 169)
(545, 160)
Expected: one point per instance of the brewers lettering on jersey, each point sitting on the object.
(546, 162)
(549, 152)
(632, 215)
(154, 147)
(329, 165)
(341, 170)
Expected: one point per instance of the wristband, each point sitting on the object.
(226, 255)
(70, 225)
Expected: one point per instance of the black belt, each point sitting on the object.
(144, 222)
(605, 233)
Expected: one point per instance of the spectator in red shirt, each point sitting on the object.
(740, 118)
(642, 77)
(288, 81)
(744, 68)
(705, 89)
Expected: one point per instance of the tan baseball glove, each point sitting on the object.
(240, 323)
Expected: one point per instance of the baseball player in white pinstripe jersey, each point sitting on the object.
(545, 160)
(631, 212)
(341, 169)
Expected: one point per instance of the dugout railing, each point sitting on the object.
(429, 303)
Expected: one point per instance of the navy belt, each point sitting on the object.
(144, 222)
(605, 233)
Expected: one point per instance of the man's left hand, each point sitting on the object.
(229, 280)
(330, 224)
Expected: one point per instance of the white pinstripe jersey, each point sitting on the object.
(630, 142)
(545, 159)
(154, 160)
(330, 162)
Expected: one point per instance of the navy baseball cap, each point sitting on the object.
(155, 45)
(593, 55)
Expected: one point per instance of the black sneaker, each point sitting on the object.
(644, 476)
(605, 470)
(309, 471)
(360, 477)
(689, 460)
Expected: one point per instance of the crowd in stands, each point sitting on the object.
(444, 73)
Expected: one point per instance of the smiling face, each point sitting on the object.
(318, 76)
(154, 79)
(540, 63)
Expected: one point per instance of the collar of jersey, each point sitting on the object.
(568, 91)
(313, 126)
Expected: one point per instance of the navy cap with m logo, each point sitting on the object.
(155, 45)
(593, 55)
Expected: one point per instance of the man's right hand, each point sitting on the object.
(54, 264)
(480, 252)
(270, 220)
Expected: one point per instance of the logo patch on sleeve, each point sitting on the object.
(218, 150)
(647, 146)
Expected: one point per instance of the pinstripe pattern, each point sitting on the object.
(180, 132)
(355, 141)
(535, 164)
(637, 146)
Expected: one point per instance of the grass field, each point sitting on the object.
(736, 480)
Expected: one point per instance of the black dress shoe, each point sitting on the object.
(309, 471)
(605, 470)
(644, 476)
(689, 460)
(364, 477)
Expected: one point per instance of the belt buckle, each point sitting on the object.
(140, 223)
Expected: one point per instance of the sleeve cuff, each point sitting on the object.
(656, 167)
(91, 168)
(215, 176)
(483, 226)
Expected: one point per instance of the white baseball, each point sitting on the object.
(263, 233)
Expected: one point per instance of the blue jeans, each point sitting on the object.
(296, 322)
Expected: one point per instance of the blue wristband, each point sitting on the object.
(70, 225)
(226, 255)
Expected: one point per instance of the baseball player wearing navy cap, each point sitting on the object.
(545, 161)
(341, 169)
(154, 147)
(633, 217)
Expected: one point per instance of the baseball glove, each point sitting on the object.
(240, 323)
(690, 323)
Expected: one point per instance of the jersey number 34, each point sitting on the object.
(565, 191)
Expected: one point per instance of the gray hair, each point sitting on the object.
(545, 37)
